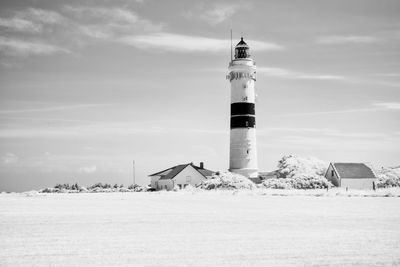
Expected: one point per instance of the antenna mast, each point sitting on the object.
(231, 46)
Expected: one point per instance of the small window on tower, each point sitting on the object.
(332, 173)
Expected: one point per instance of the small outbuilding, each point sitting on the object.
(351, 175)
(179, 176)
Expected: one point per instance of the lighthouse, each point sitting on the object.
(243, 148)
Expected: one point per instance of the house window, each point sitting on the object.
(332, 173)
(165, 186)
(180, 186)
(188, 179)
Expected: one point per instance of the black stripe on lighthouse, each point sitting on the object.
(244, 121)
(242, 108)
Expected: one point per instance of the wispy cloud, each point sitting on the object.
(59, 128)
(388, 105)
(31, 20)
(342, 111)
(325, 139)
(42, 16)
(220, 12)
(295, 75)
(18, 47)
(215, 13)
(76, 25)
(113, 14)
(347, 39)
(373, 107)
(188, 43)
(106, 22)
(47, 109)
(320, 131)
(18, 24)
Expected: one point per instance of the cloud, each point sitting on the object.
(107, 20)
(294, 75)
(373, 107)
(341, 111)
(215, 13)
(95, 31)
(388, 105)
(42, 16)
(187, 43)
(10, 158)
(220, 13)
(24, 48)
(114, 14)
(88, 169)
(325, 139)
(88, 129)
(349, 39)
(31, 20)
(47, 109)
(17, 24)
(320, 132)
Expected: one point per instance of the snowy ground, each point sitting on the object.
(197, 229)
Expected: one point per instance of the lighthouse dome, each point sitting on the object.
(242, 50)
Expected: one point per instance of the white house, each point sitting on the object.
(180, 176)
(351, 175)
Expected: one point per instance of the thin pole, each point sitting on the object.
(231, 46)
(134, 182)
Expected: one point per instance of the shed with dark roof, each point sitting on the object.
(351, 175)
(179, 176)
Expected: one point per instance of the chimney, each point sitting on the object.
(201, 165)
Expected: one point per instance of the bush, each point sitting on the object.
(316, 182)
(299, 173)
(388, 177)
(137, 188)
(227, 180)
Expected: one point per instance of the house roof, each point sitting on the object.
(204, 172)
(353, 170)
(170, 173)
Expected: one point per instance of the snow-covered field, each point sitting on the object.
(197, 229)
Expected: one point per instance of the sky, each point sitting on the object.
(88, 87)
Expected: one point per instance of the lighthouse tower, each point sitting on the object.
(243, 148)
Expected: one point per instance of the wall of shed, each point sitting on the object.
(358, 183)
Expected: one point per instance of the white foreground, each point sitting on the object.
(197, 229)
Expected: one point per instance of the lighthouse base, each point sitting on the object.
(249, 173)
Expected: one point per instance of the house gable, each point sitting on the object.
(332, 175)
(188, 175)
